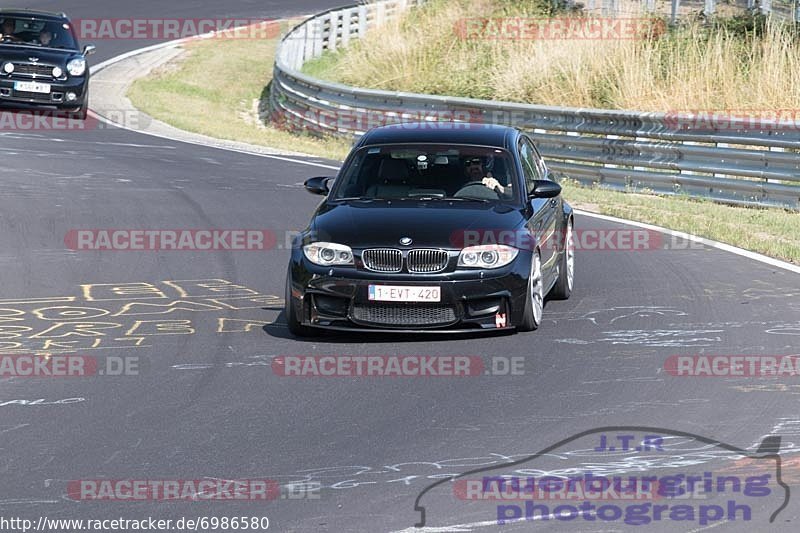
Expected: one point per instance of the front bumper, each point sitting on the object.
(471, 300)
(56, 98)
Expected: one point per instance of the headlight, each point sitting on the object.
(487, 256)
(8, 67)
(328, 253)
(76, 67)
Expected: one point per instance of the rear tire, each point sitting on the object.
(562, 290)
(295, 327)
(534, 296)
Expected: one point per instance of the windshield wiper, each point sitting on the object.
(466, 199)
(425, 197)
(357, 198)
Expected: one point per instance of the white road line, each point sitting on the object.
(702, 240)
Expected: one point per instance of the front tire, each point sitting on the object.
(80, 113)
(566, 270)
(534, 296)
(295, 327)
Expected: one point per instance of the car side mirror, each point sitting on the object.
(545, 189)
(89, 49)
(318, 185)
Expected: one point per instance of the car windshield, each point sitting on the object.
(37, 32)
(428, 172)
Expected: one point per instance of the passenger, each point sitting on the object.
(45, 38)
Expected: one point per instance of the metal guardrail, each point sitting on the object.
(623, 150)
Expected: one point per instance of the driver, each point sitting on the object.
(475, 171)
(8, 30)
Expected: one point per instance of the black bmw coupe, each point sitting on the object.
(435, 227)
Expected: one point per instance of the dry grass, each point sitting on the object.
(214, 89)
(691, 68)
(773, 232)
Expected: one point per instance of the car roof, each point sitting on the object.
(31, 13)
(442, 133)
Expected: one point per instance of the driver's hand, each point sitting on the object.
(493, 184)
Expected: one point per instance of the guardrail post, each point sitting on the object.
(609, 7)
(765, 7)
(362, 20)
(308, 42)
(766, 163)
(640, 139)
(347, 25)
(650, 5)
(380, 14)
(292, 53)
(710, 7)
(334, 30)
(316, 31)
(721, 145)
(676, 4)
(608, 165)
(796, 11)
(689, 143)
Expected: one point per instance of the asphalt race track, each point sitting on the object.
(207, 404)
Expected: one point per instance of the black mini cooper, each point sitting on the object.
(439, 227)
(41, 64)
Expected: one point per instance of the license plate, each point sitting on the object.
(32, 87)
(404, 293)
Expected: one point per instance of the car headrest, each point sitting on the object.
(393, 170)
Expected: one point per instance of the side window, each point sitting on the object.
(541, 164)
(530, 166)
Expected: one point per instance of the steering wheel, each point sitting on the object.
(479, 189)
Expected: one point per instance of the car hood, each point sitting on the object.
(439, 224)
(47, 56)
